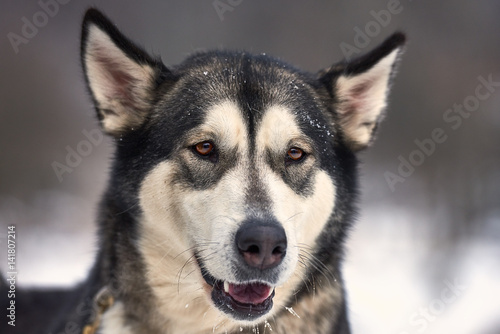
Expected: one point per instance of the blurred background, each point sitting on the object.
(424, 255)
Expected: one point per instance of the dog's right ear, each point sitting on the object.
(121, 76)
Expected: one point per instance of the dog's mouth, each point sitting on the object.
(243, 301)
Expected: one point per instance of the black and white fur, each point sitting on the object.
(234, 176)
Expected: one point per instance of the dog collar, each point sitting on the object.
(103, 300)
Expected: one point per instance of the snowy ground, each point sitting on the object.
(392, 281)
(392, 289)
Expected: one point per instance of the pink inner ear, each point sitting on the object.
(119, 83)
(359, 90)
(356, 98)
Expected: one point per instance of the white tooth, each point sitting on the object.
(270, 292)
(226, 287)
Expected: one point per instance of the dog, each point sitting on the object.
(232, 190)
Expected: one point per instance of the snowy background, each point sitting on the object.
(424, 256)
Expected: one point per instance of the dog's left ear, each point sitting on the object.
(359, 89)
(120, 75)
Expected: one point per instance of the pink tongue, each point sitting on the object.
(254, 293)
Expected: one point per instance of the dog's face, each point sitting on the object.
(241, 193)
(243, 188)
(235, 165)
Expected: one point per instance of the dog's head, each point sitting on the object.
(239, 169)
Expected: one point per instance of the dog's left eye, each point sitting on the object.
(295, 154)
(204, 148)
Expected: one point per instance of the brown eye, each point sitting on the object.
(295, 154)
(204, 148)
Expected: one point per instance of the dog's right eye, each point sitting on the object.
(206, 149)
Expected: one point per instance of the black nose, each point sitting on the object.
(262, 245)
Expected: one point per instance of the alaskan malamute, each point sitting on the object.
(232, 189)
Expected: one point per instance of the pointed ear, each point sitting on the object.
(359, 89)
(121, 77)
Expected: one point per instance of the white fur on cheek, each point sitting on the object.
(317, 209)
(179, 290)
(215, 215)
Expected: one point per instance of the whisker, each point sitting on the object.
(317, 264)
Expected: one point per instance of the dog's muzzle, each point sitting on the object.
(260, 247)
